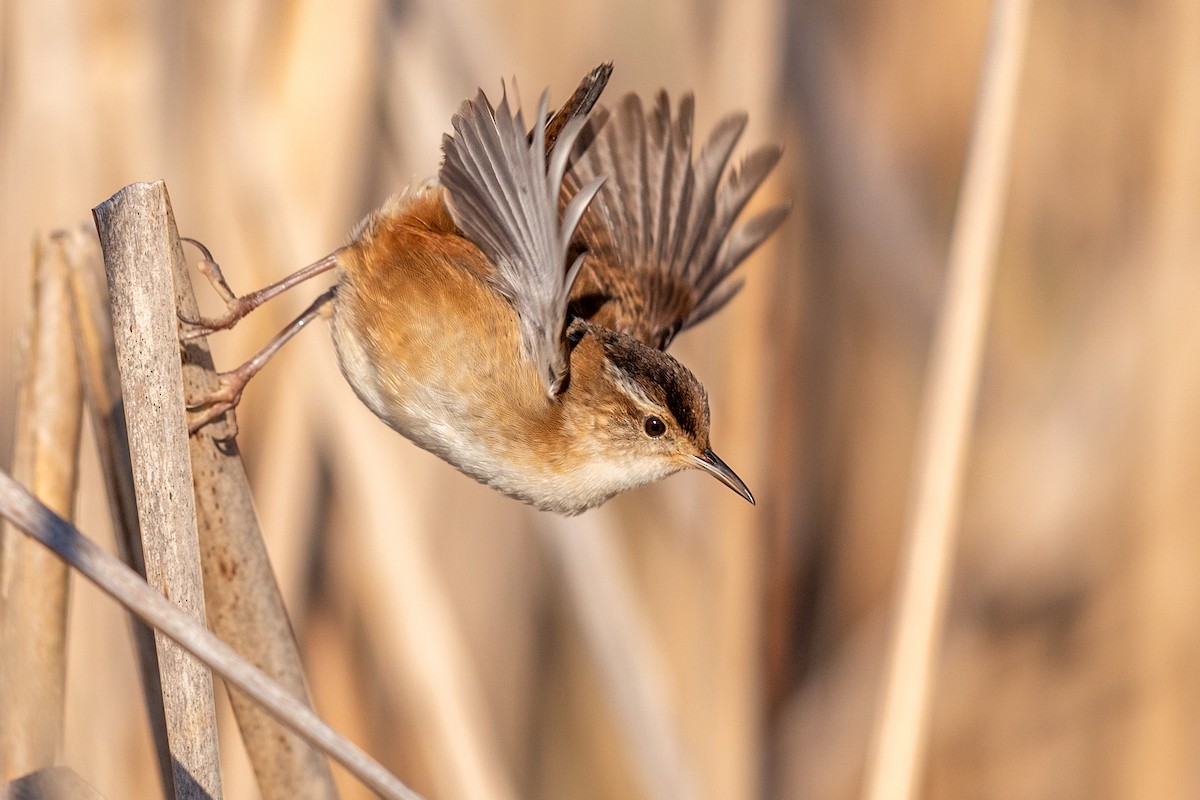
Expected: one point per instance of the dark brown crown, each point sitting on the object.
(659, 377)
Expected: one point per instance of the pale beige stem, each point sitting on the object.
(34, 585)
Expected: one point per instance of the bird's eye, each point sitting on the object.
(655, 427)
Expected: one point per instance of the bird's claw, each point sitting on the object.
(211, 270)
(235, 307)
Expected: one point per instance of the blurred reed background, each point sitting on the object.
(467, 641)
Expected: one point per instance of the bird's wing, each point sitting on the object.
(504, 195)
(662, 233)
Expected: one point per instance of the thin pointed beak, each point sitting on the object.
(713, 465)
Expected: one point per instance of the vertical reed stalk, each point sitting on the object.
(34, 585)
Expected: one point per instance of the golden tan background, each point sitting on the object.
(483, 650)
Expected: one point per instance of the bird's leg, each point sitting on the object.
(237, 307)
(226, 397)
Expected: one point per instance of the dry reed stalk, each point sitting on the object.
(34, 585)
(126, 586)
(137, 234)
(894, 769)
(96, 353)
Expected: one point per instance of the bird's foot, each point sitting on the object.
(222, 401)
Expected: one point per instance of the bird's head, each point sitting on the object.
(643, 414)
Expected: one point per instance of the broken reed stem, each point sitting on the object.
(895, 768)
(34, 587)
(97, 357)
(122, 583)
(134, 227)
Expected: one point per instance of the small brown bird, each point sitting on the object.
(510, 316)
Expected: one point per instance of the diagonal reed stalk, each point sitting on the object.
(116, 579)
